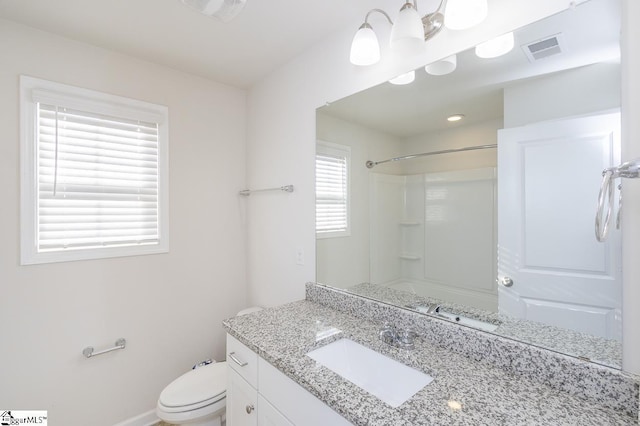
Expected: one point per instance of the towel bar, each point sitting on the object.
(88, 351)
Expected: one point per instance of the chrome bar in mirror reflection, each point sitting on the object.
(247, 192)
(629, 169)
(372, 164)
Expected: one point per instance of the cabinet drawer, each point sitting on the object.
(243, 360)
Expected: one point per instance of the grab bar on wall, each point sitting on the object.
(247, 192)
(629, 170)
(89, 351)
(372, 164)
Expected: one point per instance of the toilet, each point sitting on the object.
(198, 397)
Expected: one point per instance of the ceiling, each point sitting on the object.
(266, 34)
(475, 88)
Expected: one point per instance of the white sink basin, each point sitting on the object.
(381, 376)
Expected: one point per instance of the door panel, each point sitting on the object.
(549, 176)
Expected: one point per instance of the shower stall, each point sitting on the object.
(434, 234)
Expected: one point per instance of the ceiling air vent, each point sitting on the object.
(225, 10)
(545, 47)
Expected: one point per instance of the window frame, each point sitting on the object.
(96, 102)
(334, 149)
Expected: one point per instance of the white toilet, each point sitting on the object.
(198, 397)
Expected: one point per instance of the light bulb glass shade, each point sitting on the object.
(463, 14)
(443, 66)
(405, 78)
(496, 46)
(407, 33)
(365, 49)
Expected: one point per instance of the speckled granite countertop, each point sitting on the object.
(603, 351)
(489, 396)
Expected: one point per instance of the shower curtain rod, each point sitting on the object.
(371, 164)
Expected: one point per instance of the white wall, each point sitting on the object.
(169, 307)
(459, 136)
(281, 141)
(631, 191)
(579, 91)
(344, 261)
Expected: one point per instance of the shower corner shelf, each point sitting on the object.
(408, 256)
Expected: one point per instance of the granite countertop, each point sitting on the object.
(489, 396)
(603, 351)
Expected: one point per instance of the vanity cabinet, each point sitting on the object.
(242, 401)
(259, 394)
(268, 415)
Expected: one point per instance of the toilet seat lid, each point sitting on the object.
(205, 383)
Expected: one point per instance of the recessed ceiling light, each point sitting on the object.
(455, 117)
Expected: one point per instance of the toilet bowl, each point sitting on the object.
(198, 397)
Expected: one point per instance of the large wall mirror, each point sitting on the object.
(491, 225)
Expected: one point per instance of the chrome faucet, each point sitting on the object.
(431, 308)
(434, 308)
(403, 339)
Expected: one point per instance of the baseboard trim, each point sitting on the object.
(145, 419)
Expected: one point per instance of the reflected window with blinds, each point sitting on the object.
(333, 162)
(95, 182)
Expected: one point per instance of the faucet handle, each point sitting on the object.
(388, 333)
(387, 325)
(406, 338)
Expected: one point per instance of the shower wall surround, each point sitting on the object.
(602, 385)
(424, 225)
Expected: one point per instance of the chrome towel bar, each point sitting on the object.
(88, 351)
(247, 192)
(604, 210)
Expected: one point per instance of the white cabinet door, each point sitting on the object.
(242, 401)
(549, 176)
(269, 416)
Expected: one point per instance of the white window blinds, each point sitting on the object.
(94, 180)
(332, 187)
(97, 180)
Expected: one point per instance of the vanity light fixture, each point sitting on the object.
(443, 66)
(464, 14)
(455, 117)
(407, 33)
(225, 10)
(410, 31)
(405, 78)
(495, 47)
(407, 36)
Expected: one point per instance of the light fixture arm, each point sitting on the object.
(366, 18)
(386, 15)
(434, 22)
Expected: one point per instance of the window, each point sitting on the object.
(94, 174)
(333, 162)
